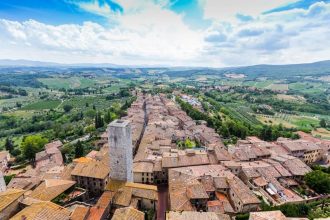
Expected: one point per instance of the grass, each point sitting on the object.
(321, 132)
(100, 102)
(278, 87)
(290, 121)
(17, 140)
(20, 113)
(270, 120)
(305, 122)
(41, 105)
(67, 83)
(308, 87)
(292, 98)
(258, 84)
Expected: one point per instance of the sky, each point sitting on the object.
(214, 33)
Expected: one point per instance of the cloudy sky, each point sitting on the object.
(213, 33)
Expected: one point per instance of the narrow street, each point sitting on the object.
(142, 132)
(162, 202)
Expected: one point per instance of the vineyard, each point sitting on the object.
(244, 114)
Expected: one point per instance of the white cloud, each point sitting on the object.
(96, 8)
(150, 33)
(226, 11)
(285, 37)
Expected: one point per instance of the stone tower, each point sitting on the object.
(121, 156)
(2, 183)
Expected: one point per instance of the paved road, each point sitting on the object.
(162, 202)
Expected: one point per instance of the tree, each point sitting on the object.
(79, 150)
(67, 108)
(107, 117)
(318, 181)
(323, 124)
(32, 145)
(9, 145)
(99, 123)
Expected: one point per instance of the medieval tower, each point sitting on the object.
(121, 156)
(2, 183)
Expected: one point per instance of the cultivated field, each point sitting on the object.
(44, 104)
(67, 83)
(292, 98)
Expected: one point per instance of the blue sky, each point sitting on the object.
(166, 32)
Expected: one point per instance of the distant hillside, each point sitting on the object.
(275, 71)
(26, 63)
(278, 71)
(31, 63)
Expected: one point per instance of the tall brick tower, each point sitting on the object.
(121, 156)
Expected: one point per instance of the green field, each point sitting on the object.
(290, 121)
(40, 105)
(67, 83)
(258, 84)
(308, 87)
(100, 102)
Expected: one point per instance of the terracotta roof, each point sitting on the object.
(196, 191)
(143, 167)
(189, 215)
(242, 191)
(22, 182)
(126, 191)
(82, 160)
(143, 190)
(80, 213)
(96, 213)
(3, 155)
(114, 185)
(9, 196)
(128, 213)
(260, 181)
(220, 182)
(123, 196)
(51, 188)
(92, 154)
(171, 160)
(43, 211)
(296, 167)
(55, 144)
(105, 199)
(224, 203)
(94, 169)
(269, 215)
(141, 186)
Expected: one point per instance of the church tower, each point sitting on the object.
(121, 156)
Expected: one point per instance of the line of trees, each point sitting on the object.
(231, 128)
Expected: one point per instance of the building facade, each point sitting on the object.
(120, 150)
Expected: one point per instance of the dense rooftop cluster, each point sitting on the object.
(204, 179)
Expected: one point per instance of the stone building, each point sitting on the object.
(120, 150)
(3, 186)
(9, 202)
(4, 158)
(92, 176)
